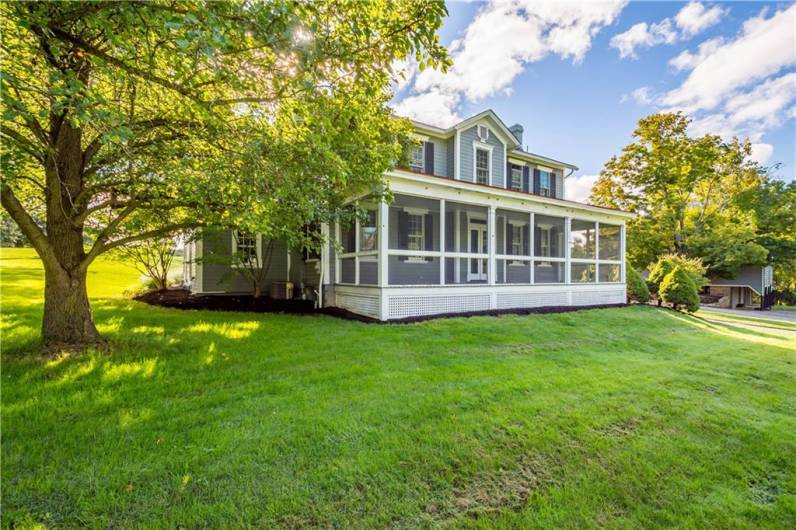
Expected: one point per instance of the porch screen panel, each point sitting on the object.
(466, 270)
(549, 233)
(413, 270)
(582, 272)
(513, 233)
(582, 239)
(467, 235)
(513, 271)
(548, 271)
(610, 246)
(610, 273)
(348, 270)
(414, 224)
(368, 270)
(457, 218)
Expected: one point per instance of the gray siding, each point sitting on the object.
(440, 157)
(559, 184)
(219, 275)
(750, 275)
(467, 172)
(451, 153)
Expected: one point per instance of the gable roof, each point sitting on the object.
(513, 147)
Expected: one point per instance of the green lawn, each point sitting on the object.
(634, 417)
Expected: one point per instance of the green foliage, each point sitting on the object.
(693, 196)
(679, 289)
(667, 263)
(637, 289)
(193, 418)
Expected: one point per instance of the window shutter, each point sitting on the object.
(525, 233)
(403, 232)
(553, 184)
(509, 239)
(536, 177)
(507, 180)
(428, 148)
(525, 179)
(429, 220)
(537, 241)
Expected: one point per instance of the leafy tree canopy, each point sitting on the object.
(177, 114)
(693, 196)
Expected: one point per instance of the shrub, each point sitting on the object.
(665, 265)
(678, 289)
(637, 290)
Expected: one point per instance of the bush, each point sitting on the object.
(678, 289)
(667, 263)
(637, 290)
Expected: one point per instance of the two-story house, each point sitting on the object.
(477, 223)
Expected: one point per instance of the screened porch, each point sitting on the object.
(423, 241)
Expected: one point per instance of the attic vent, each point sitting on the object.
(483, 133)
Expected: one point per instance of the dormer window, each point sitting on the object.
(544, 183)
(483, 133)
(416, 159)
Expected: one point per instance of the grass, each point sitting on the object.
(633, 417)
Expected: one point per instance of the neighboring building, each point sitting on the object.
(477, 223)
(751, 287)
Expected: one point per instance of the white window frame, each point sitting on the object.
(483, 147)
(257, 248)
(545, 191)
(421, 168)
(518, 169)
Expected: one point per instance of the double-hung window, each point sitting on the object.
(416, 164)
(516, 178)
(482, 166)
(244, 248)
(544, 183)
(416, 236)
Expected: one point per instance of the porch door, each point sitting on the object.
(476, 268)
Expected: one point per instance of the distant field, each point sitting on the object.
(621, 418)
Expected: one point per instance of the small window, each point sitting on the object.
(516, 241)
(368, 232)
(516, 178)
(416, 159)
(482, 166)
(544, 242)
(544, 183)
(483, 133)
(416, 237)
(244, 248)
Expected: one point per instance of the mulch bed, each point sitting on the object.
(183, 299)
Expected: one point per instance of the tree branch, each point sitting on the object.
(28, 226)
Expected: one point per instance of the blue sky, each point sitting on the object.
(578, 76)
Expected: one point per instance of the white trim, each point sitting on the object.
(383, 241)
(457, 159)
(442, 241)
(484, 147)
(258, 248)
(469, 192)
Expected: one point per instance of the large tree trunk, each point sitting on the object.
(67, 321)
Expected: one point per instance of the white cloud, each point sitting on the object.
(643, 35)
(761, 153)
(695, 18)
(486, 62)
(690, 20)
(579, 188)
(764, 47)
(642, 95)
(688, 61)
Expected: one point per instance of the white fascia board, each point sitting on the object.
(478, 194)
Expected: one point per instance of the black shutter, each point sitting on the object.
(428, 148)
(509, 168)
(525, 241)
(525, 178)
(553, 184)
(509, 239)
(537, 240)
(536, 176)
(403, 232)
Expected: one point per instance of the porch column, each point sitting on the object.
(596, 252)
(622, 251)
(492, 247)
(531, 242)
(384, 216)
(442, 241)
(567, 230)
